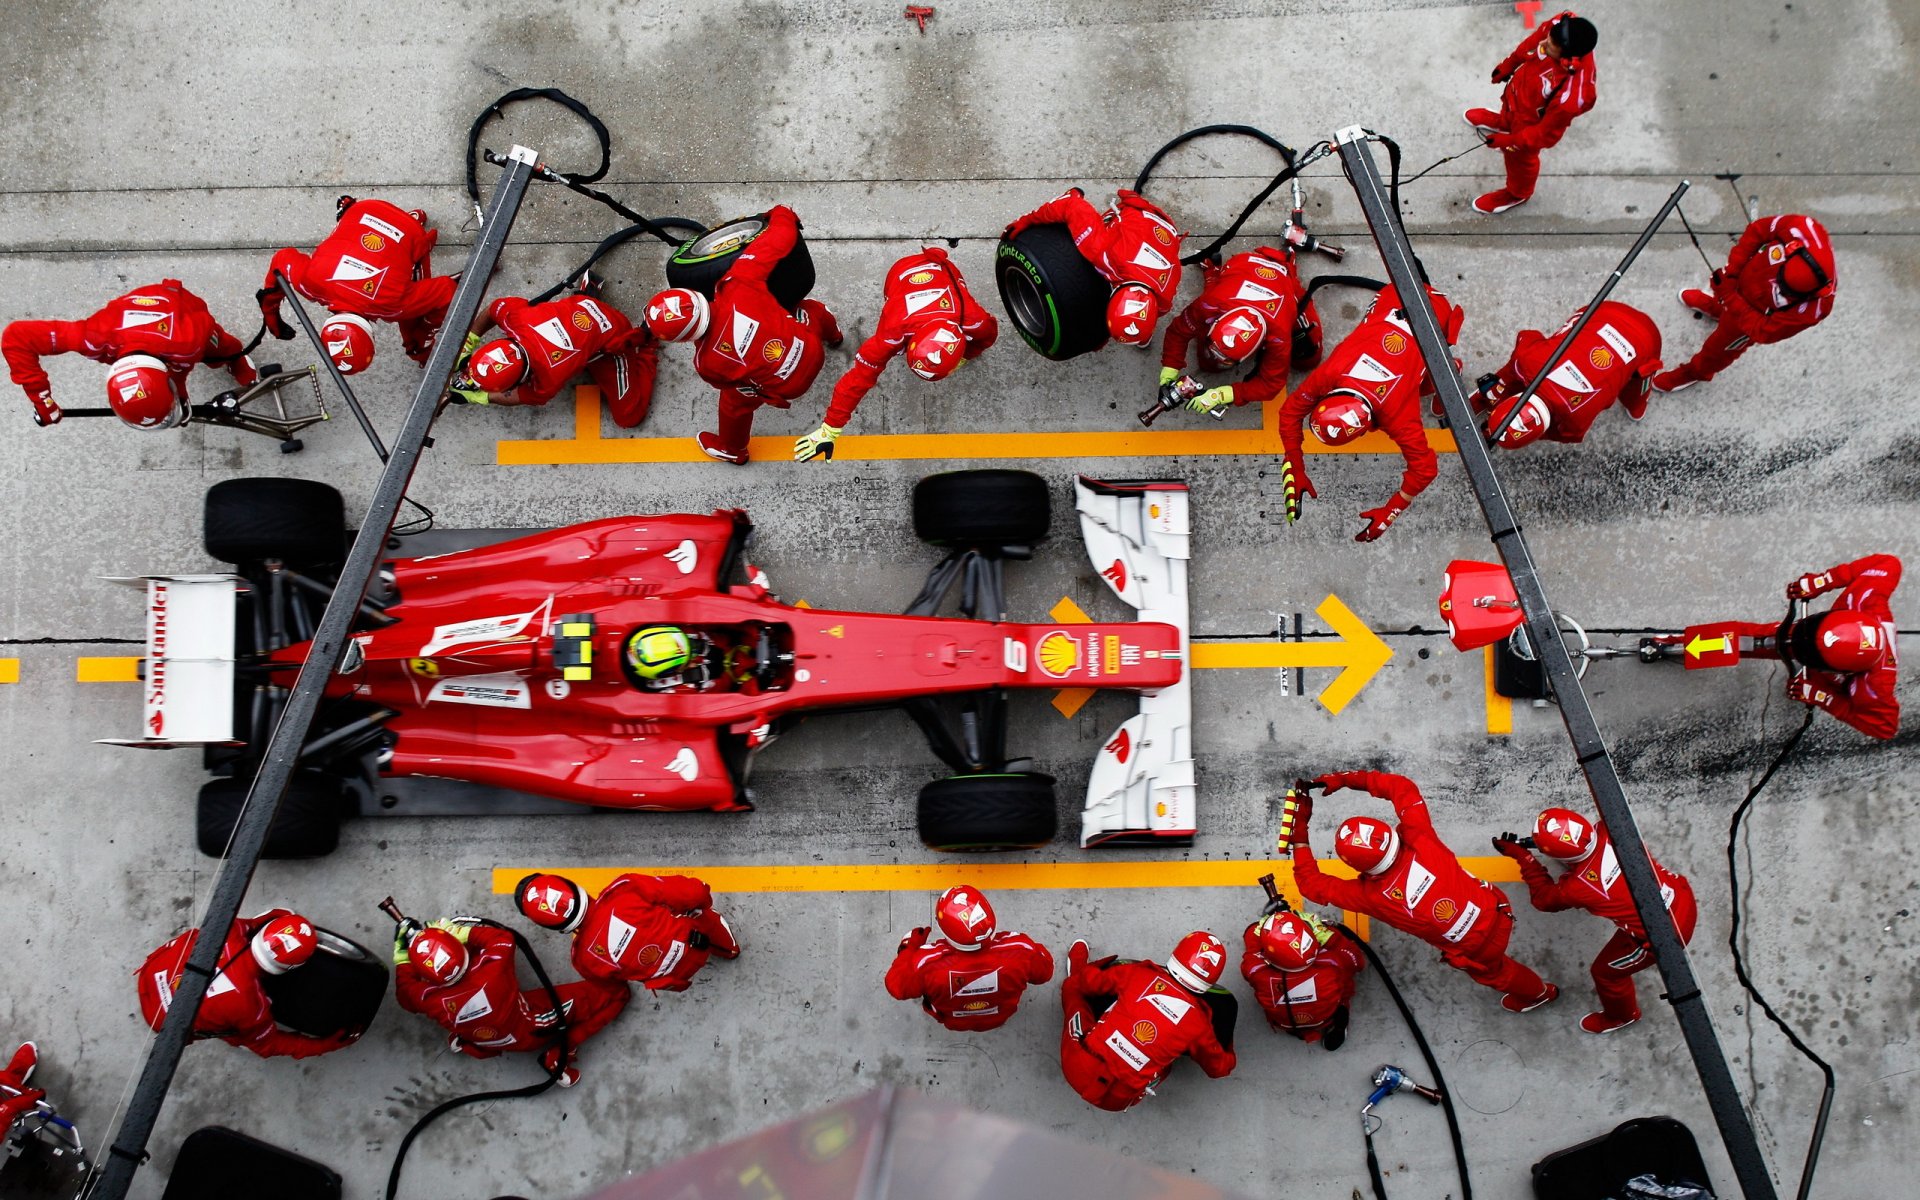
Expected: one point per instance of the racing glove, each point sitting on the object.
(1509, 845)
(1294, 477)
(1296, 810)
(1168, 375)
(45, 411)
(1803, 688)
(459, 927)
(269, 301)
(462, 388)
(818, 444)
(915, 937)
(1381, 519)
(403, 933)
(1808, 586)
(1211, 399)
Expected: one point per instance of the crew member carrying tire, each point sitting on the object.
(236, 1008)
(376, 265)
(1590, 879)
(928, 313)
(542, 347)
(970, 975)
(1134, 246)
(1779, 280)
(1302, 971)
(1614, 358)
(1253, 309)
(1128, 1023)
(463, 974)
(653, 930)
(1373, 380)
(16, 1098)
(1550, 81)
(744, 342)
(153, 336)
(1413, 882)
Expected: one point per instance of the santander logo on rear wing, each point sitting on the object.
(188, 672)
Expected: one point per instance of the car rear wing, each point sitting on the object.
(187, 676)
(1141, 791)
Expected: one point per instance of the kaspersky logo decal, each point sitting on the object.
(1058, 653)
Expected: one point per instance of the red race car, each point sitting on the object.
(639, 662)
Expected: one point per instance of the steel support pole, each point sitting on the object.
(281, 756)
(1589, 747)
(333, 369)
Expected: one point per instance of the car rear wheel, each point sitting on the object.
(295, 520)
(1057, 299)
(338, 990)
(700, 262)
(991, 507)
(979, 814)
(307, 825)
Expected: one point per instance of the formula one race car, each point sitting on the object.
(517, 665)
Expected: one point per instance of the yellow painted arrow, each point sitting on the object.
(1359, 653)
(1700, 645)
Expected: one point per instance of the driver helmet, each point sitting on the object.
(658, 650)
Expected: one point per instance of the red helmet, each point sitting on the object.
(1340, 418)
(965, 918)
(1238, 333)
(1367, 844)
(1801, 275)
(1131, 314)
(678, 314)
(497, 366)
(1198, 961)
(283, 944)
(1564, 834)
(937, 351)
(1287, 941)
(551, 901)
(1850, 642)
(140, 390)
(438, 955)
(348, 338)
(1529, 427)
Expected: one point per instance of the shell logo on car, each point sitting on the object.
(1058, 653)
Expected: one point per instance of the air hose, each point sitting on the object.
(1294, 163)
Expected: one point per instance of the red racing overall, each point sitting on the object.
(1303, 1003)
(236, 1009)
(1113, 1061)
(1614, 358)
(1542, 97)
(486, 1013)
(1748, 304)
(641, 929)
(1262, 279)
(922, 289)
(375, 264)
(576, 333)
(1132, 242)
(968, 990)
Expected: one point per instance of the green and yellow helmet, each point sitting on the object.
(658, 650)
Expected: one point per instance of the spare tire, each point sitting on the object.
(982, 509)
(295, 520)
(307, 825)
(700, 262)
(1054, 296)
(338, 990)
(979, 814)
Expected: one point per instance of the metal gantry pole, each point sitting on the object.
(1589, 747)
(333, 369)
(281, 756)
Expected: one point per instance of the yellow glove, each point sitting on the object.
(468, 394)
(1211, 399)
(459, 927)
(818, 444)
(1168, 375)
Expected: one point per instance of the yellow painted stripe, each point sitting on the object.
(1070, 701)
(1499, 708)
(9, 670)
(107, 670)
(588, 446)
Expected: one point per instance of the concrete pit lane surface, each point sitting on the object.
(142, 147)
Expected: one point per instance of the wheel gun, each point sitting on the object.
(406, 926)
(1388, 1080)
(1175, 395)
(1297, 235)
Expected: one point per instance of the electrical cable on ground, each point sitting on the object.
(1294, 164)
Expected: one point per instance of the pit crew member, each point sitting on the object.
(1302, 971)
(970, 975)
(930, 315)
(1410, 880)
(653, 930)
(376, 265)
(744, 342)
(154, 336)
(1253, 309)
(1133, 244)
(1779, 279)
(1373, 380)
(1590, 879)
(1614, 358)
(543, 347)
(1550, 81)
(236, 1008)
(1127, 1023)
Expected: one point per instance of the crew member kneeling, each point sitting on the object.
(1127, 1023)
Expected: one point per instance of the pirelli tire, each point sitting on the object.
(1054, 296)
(701, 261)
(295, 520)
(338, 990)
(306, 826)
(983, 814)
(982, 509)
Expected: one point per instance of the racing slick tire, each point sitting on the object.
(337, 990)
(980, 814)
(295, 520)
(990, 507)
(1056, 298)
(307, 825)
(701, 261)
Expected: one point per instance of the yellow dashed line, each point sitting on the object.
(107, 670)
(9, 670)
(1499, 708)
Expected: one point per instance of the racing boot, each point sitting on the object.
(1076, 956)
(1599, 1022)
(550, 1060)
(1485, 121)
(1520, 1004)
(24, 1060)
(710, 446)
(1701, 302)
(719, 935)
(1497, 201)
